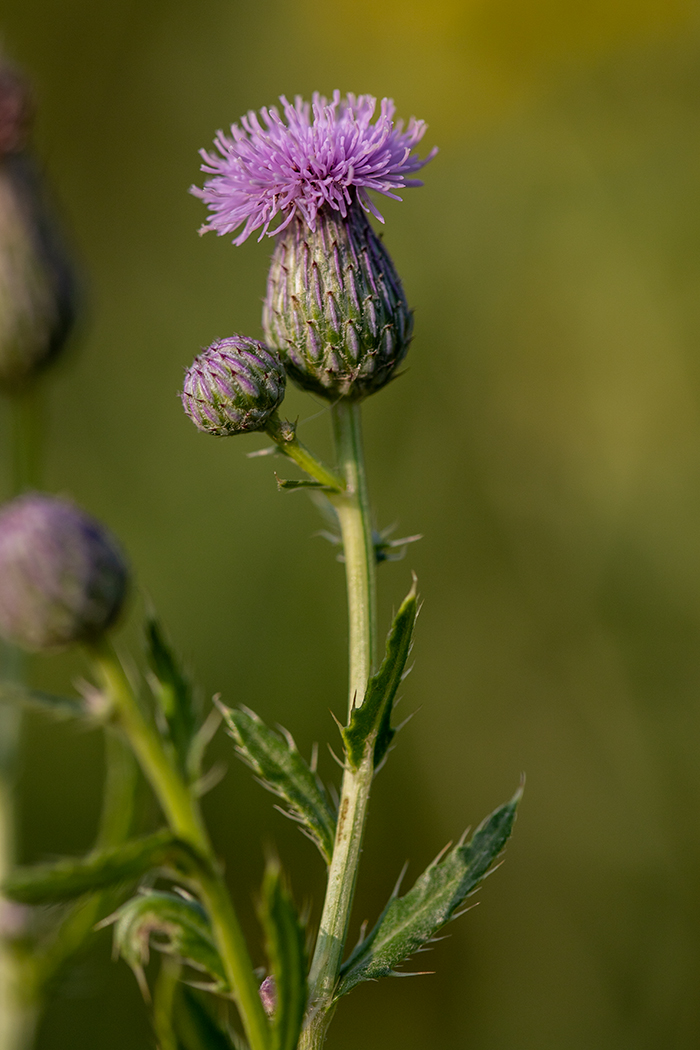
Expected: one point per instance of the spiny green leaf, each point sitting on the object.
(180, 927)
(284, 937)
(370, 723)
(173, 692)
(65, 879)
(283, 771)
(59, 706)
(409, 922)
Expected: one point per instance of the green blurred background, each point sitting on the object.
(545, 439)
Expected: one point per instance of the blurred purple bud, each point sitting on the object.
(63, 578)
(233, 386)
(37, 287)
(16, 110)
(268, 994)
(15, 920)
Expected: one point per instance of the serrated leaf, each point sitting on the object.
(174, 692)
(59, 706)
(172, 924)
(284, 939)
(409, 922)
(370, 723)
(283, 771)
(69, 878)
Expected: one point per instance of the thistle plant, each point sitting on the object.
(337, 323)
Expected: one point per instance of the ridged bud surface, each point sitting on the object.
(233, 386)
(63, 578)
(335, 308)
(36, 283)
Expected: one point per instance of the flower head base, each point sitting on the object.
(335, 308)
(62, 577)
(233, 386)
(325, 155)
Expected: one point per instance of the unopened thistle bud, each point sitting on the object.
(233, 386)
(335, 308)
(36, 283)
(63, 578)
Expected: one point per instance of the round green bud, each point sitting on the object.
(233, 386)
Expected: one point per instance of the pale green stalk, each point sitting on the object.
(164, 1003)
(183, 814)
(283, 433)
(352, 508)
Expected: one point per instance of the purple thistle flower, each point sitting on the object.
(327, 153)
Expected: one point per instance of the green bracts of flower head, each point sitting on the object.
(335, 308)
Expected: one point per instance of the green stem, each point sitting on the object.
(352, 507)
(283, 433)
(18, 1014)
(18, 1008)
(353, 510)
(184, 818)
(164, 1003)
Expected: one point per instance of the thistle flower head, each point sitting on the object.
(62, 577)
(233, 386)
(320, 153)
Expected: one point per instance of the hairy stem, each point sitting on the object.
(184, 818)
(352, 507)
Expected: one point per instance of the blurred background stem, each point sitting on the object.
(164, 1003)
(17, 1012)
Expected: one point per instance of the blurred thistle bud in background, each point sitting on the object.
(63, 578)
(36, 282)
(335, 308)
(233, 386)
